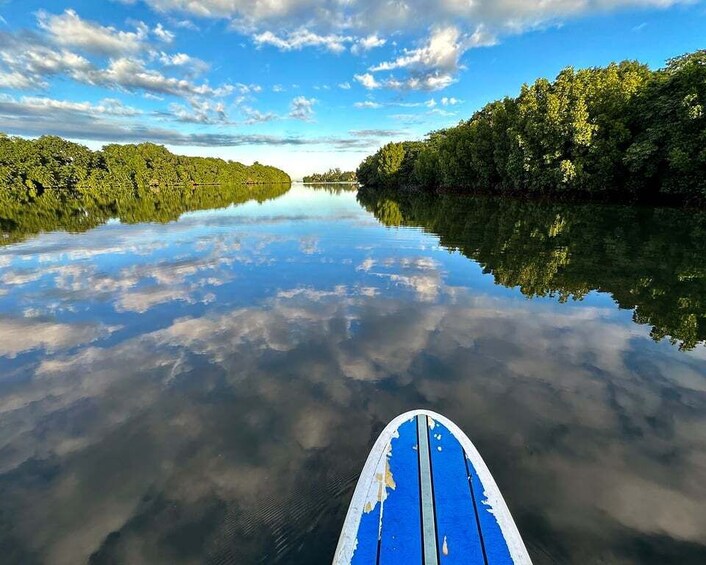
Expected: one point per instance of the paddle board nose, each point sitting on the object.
(426, 497)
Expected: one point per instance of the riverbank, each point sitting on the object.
(622, 133)
(621, 199)
(28, 168)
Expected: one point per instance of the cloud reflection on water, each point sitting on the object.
(234, 427)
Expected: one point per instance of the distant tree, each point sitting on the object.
(332, 175)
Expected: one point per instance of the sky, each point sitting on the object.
(304, 85)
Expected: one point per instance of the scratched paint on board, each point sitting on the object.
(366, 547)
(494, 542)
(368, 535)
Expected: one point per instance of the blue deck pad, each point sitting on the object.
(496, 549)
(458, 534)
(401, 542)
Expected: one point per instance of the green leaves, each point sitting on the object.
(332, 175)
(28, 168)
(622, 131)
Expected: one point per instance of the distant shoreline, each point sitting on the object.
(331, 182)
(653, 201)
(186, 185)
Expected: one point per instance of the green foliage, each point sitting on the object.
(367, 172)
(621, 131)
(427, 166)
(668, 154)
(28, 168)
(651, 260)
(389, 163)
(393, 166)
(332, 175)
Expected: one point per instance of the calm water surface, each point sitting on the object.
(207, 390)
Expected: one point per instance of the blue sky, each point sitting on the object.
(302, 84)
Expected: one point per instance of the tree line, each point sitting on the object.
(28, 168)
(621, 132)
(650, 259)
(332, 175)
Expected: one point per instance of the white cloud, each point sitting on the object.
(428, 82)
(301, 38)
(201, 8)
(162, 34)
(18, 119)
(254, 116)
(36, 105)
(344, 85)
(186, 24)
(450, 101)
(368, 81)
(28, 62)
(248, 88)
(394, 16)
(441, 51)
(192, 66)
(335, 25)
(17, 80)
(367, 104)
(302, 108)
(431, 103)
(434, 64)
(200, 111)
(69, 30)
(132, 74)
(442, 112)
(367, 43)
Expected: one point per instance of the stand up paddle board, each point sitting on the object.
(425, 497)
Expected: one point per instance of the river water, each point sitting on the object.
(207, 390)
